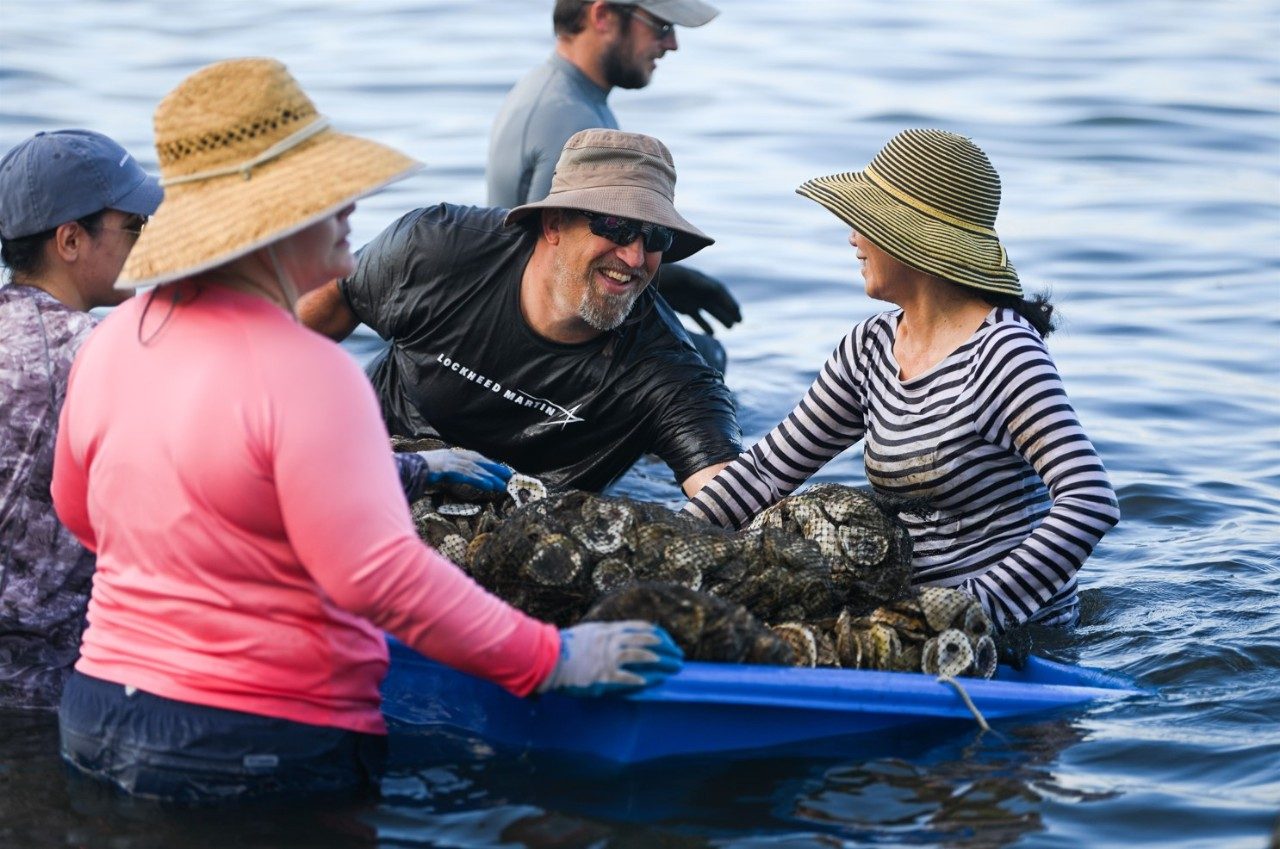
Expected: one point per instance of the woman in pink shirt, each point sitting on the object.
(231, 471)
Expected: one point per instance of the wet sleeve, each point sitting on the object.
(827, 420)
(348, 521)
(699, 427)
(1021, 405)
(381, 290)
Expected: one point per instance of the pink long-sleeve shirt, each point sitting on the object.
(231, 470)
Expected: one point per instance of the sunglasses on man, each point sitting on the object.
(661, 29)
(624, 231)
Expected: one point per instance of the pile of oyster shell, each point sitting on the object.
(822, 578)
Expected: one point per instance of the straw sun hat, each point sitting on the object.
(246, 160)
(929, 199)
(625, 174)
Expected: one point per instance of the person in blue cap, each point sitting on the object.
(72, 203)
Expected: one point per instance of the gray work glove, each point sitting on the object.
(690, 292)
(597, 658)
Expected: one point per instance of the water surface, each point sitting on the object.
(1139, 145)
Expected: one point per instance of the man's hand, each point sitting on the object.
(690, 292)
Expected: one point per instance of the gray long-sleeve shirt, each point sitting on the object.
(546, 107)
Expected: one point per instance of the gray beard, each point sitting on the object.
(605, 312)
(597, 308)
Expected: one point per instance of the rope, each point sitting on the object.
(176, 295)
(968, 702)
(245, 168)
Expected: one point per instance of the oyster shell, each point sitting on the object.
(925, 628)
(705, 627)
(831, 566)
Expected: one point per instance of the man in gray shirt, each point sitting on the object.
(599, 46)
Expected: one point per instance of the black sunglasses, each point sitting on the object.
(624, 231)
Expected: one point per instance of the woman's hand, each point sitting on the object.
(597, 658)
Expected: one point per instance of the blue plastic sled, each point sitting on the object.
(721, 708)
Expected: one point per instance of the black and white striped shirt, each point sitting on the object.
(979, 436)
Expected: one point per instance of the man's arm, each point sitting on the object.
(326, 311)
(696, 481)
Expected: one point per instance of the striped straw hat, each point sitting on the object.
(246, 160)
(929, 199)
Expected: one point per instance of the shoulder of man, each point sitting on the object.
(444, 234)
(430, 250)
(655, 344)
(446, 217)
(536, 77)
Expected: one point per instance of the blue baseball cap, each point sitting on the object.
(56, 177)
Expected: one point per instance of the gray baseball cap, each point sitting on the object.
(56, 177)
(683, 13)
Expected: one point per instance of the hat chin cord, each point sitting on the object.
(287, 290)
(258, 278)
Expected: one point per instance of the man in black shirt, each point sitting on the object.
(532, 336)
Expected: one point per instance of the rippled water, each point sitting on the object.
(1139, 143)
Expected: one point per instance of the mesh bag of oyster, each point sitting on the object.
(822, 578)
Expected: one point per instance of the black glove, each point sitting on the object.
(689, 292)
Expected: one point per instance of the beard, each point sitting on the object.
(605, 310)
(600, 309)
(621, 69)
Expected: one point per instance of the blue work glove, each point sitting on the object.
(690, 292)
(597, 658)
(421, 469)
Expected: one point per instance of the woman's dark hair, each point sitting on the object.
(1036, 309)
(24, 257)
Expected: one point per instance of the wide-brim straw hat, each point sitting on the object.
(246, 160)
(624, 174)
(929, 199)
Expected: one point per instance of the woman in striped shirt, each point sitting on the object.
(954, 392)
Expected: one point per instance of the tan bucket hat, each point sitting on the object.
(246, 160)
(929, 199)
(624, 174)
(683, 13)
